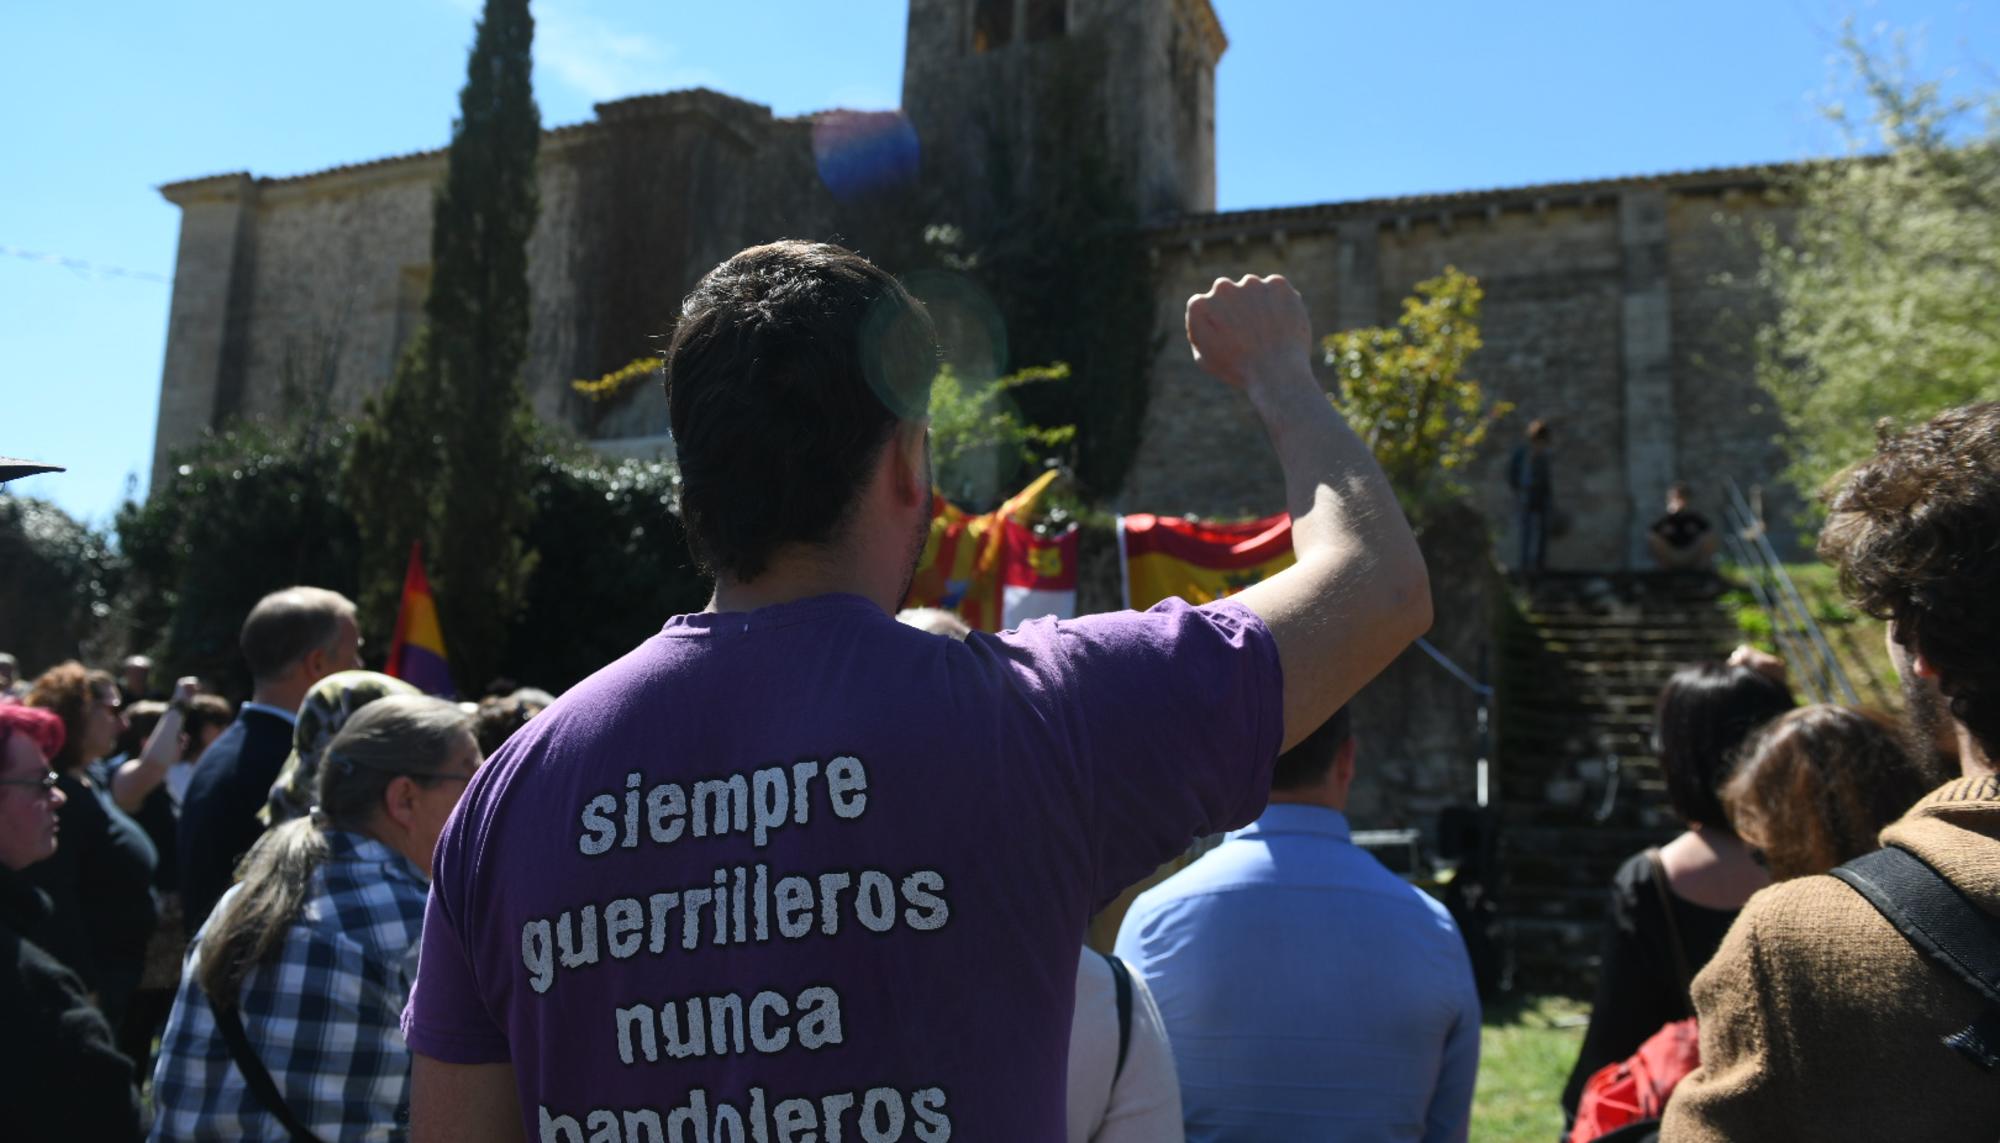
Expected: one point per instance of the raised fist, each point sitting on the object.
(1239, 328)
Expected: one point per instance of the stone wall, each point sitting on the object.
(313, 285)
(1727, 426)
(1622, 310)
(1623, 313)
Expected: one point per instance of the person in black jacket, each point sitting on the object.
(100, 883)
(1670, 906)
(292, 639)
(61, 1077)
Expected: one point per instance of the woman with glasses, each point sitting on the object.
(60, 1075)
(286, 1024)
(101, 880)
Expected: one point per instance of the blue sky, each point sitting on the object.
(1316, 100)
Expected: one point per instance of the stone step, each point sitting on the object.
(1580, 677)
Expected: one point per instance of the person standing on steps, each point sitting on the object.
(1534, 497)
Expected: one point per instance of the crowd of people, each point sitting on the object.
(243, 889)
(792, 870)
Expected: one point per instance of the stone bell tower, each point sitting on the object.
(1010, 97)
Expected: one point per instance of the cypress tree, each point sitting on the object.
(443, 454)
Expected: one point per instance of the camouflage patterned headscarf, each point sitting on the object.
(328, 706)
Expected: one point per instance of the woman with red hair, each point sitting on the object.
(61, 1077)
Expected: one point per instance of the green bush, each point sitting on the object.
(242, 513)
(58, 578)
(257, 508)
(613, 565)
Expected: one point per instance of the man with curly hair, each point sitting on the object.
(1818, 1019)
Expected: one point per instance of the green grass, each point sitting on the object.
(1856, 639)
(1526, 1049)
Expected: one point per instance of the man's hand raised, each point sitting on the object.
(1359, 593)
(1251, 326)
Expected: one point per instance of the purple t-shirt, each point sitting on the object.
(806, 873)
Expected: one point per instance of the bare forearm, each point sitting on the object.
(1338, 497)
(1358, 594)
(137, 778)
(471, 1102)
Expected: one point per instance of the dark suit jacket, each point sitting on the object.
(219, 815)
(60, 1075)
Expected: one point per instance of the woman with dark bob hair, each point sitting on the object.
(286, 1024)
(1817, 786)
(1671, 905)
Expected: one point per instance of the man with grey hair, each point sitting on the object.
(292, 639)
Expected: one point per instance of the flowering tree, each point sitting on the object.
(1404, 390)
(1885, 286)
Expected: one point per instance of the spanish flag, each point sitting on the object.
(993, 570)
(1199, 562)
(416, 651)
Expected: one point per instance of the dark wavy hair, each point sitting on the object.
(790, 368)
(1817, 785)
(1705, 714)
(1915, 532)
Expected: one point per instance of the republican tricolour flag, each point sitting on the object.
(993, 570)
(1165, 556)
(416, 651)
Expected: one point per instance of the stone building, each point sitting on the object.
(1619, 309)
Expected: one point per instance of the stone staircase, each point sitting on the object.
(1581, 664)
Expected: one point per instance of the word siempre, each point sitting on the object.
(755, 803)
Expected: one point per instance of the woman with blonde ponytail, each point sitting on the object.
(286, 1023)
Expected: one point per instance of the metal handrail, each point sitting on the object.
(1483, 766)
(1805, 647)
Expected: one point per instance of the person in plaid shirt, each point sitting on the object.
(313, 952)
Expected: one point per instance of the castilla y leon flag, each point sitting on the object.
(1166, 555)
(416, 651)
(993, 570)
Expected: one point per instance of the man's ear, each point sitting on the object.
(1922, 666)
(399, 800)
(1343, 761)
(313, 664)
(911, 445)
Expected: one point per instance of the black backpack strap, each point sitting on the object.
(1121, 985)
(1944, 925)
(256, 1074)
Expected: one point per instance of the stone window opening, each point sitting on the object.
(992, 25)
(413, 285)
(1047, 20)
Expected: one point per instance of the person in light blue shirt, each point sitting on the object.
(1309, 993)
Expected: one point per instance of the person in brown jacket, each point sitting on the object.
(1818, 1019)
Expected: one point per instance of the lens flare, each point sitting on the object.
(863, 153)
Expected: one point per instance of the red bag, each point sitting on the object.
(1635, 1090)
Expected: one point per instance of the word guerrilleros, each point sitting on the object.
(743, 905)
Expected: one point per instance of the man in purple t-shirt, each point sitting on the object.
(791, 872)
